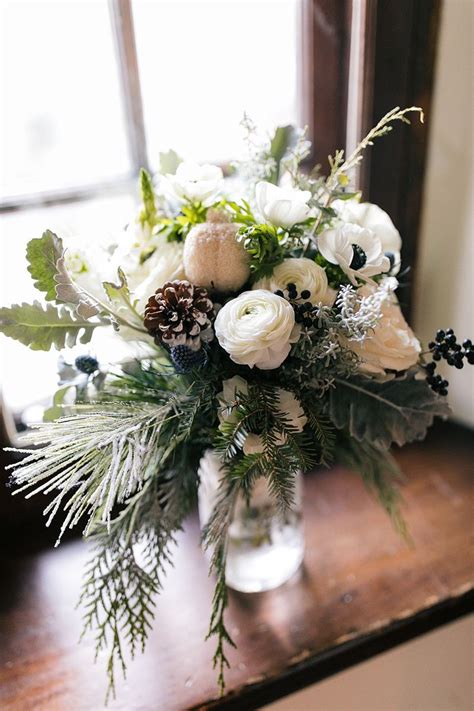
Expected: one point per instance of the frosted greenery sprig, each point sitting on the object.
(340, 166)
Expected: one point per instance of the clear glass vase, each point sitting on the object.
(265, 548)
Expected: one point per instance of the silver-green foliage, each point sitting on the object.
(397, 410)
(42, 326)
(42, 255)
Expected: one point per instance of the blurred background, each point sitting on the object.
(92, 90)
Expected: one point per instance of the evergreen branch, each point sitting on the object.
(215, 537)
(379, 473)
(322, 428)
(125, 573)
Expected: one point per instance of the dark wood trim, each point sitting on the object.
(403, 41)
(335, 660)
(324, 71)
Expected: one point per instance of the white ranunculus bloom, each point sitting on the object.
(198, 183)
(391, 345)
(366, 214)
(306, 275)
(257, 329)
(288, 406)
(282, 207)
(357, 250)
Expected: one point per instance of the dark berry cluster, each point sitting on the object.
(86, 364)
(436, 382)
(446, 347)
(185, 359)
(305, 312)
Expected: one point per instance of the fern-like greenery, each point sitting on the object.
(125, 572)
(379, 472)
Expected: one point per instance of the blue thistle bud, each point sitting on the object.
(86, 364)
(185, 359)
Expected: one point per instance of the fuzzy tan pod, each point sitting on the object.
(212, 256)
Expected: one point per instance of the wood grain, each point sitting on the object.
(359, 585)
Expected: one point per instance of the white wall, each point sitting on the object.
(431, 673)
(445, 278)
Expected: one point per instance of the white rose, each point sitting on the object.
(288, 406)
(366, 214)
(391, 345)
(357, 250)
(306, 275)
(257, 329)
(198, 183)
(282, 207)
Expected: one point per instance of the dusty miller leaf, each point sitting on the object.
(42, 327)
(71, 293)
(382, 412)
(43, 254)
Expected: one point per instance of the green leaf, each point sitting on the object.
(382, 412)
(56, 411)
(119, 296)
(148, 215)
(43, 254)
(40, 328)
(118, 293)
(282, 140)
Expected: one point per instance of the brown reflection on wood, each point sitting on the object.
(359, 579)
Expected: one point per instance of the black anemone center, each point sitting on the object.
(391, 258)
(359, 257)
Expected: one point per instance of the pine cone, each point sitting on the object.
(179, 314)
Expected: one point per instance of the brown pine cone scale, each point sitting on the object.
(180, 314)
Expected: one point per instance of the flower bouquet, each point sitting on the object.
(260, 334)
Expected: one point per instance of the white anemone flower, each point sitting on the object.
(194, 182)
(372, 217)
(357, 250)
(282, 207)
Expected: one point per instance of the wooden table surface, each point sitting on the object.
(361, 590)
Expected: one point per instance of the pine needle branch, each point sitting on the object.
(379, 473)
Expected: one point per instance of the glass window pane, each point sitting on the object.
(28, 376)
(203, 64)
(62, 118)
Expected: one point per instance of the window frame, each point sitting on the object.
(121, 17)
